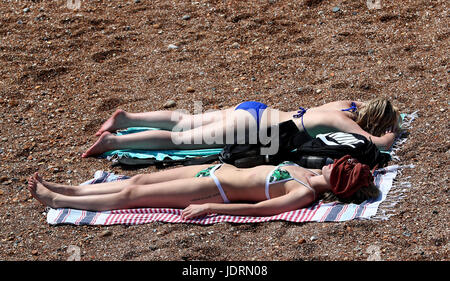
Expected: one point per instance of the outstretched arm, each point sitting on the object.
(344, 124)
(291, 201)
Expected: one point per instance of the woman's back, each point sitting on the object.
(322, 119)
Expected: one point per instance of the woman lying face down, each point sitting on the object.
(376, 119)
(221, 189)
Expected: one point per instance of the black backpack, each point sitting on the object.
(299, 147)
(338, 144)
(250, 155)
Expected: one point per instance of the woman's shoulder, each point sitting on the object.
(306, 171)
(338, 105)
(326, 115)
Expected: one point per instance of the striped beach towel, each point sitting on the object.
(318, 212)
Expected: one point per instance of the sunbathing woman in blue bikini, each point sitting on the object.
(377, 120)
(221, 189)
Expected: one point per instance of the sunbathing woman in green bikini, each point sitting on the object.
(220, 189)
(377, 119)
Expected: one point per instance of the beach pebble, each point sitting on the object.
(186, 17)
(26, 10)
(169, 103)
(190, 90)
(235, 45)
(313, 238)
(106, 233)
(336, 9)
(301, 241)
(172, 47)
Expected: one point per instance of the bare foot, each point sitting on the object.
(40, 192)
(116, 121)
(100, 146)
(58, 188)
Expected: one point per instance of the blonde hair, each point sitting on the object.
(361, 195)
(377, 116)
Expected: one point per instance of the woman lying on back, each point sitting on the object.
(220, 189)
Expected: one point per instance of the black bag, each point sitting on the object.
(338, 144)
(300, 148)
(289, 137)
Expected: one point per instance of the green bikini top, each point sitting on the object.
(278, 174)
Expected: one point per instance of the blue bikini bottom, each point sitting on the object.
(255, 108)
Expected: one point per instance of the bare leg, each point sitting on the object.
(147, 140)
(184, 136)
(122, 120)
(171, 194)
(157, 139)
(160, 139)
(163, 119)
(117, 186)
(81, 190)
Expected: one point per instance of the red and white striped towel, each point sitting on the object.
(318, 212)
